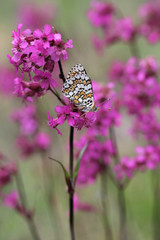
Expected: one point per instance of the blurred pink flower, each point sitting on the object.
(7, 170)
(42, 141)
(140, 86)
(85, 207)
(11, 200)
(147, 158)
(36, 15)
(95, 158)
(7, 76)
(150, 17)
(106, 17)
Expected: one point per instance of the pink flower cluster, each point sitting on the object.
(148, 125)
(105, 16)
(75, 119)
(100, 148)
(150, 17)
(36, 15)
(82, 206)
(140, 86)
(95, 158)
(115, 27)
(7, 75)
(30, 138)
(108, 113)
(8, 169)
(36, 52)
(148, 157)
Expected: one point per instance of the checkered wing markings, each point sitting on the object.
(78, 87)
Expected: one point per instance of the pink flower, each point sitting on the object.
(42, 141)
(101, 13)
(95, 159)
(6, 172)
(75, 119)
(140, 86)
(147, 158)
(12, 201)
(59, 48)
(105, 16)
(7, 76)
(35, 16)
(126, 168)
(26, 118)
(46, 79)
(150, 26)
(26, 145)
(85, 207)
(36, 53)
(148, 126)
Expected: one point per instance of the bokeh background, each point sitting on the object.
(70, 19)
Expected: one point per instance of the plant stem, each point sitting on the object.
(71, 193)
(122, 213)
(156, 206)
(134, 48)
(23, 199)
(107, 228)
(49, 193)
(121, 195)
(61, 75)
(58, 97)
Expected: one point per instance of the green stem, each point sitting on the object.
(71, 193)
(122, 214)
(49, 192)
(156, 205)
(106, 224)
(134, 48)
(121, 196)
(23, 199)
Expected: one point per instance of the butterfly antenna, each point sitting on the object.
(108, 99)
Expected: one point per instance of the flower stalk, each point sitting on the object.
(71, 191)
(156, 206)
(28, 217)
(121, 196)
(106, 224)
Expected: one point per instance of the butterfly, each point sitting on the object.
(78, 89)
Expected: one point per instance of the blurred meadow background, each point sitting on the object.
(70, 20)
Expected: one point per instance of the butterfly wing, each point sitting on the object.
(78, 88)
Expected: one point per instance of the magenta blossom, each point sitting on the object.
(148, 126)
(105, 16)
(35, 16)
(45, 78)
(81, 206)
(26, 118)
(75, 119)
(7, 170)
(147, 158)
(150, 16)
(36, 53)
(7, 76)
(95, 159)
(12, 201)
(140, 86)
(30, 139)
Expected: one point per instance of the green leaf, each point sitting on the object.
(78, 161)
(57, 93)
(66, 174)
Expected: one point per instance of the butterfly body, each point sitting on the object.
(78, 89)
